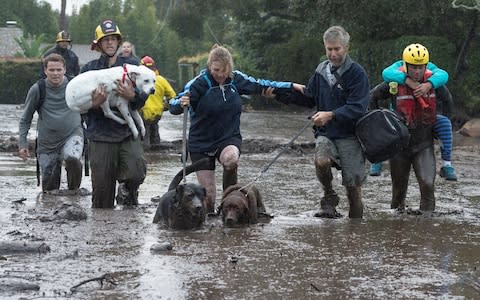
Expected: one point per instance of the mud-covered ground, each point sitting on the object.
(56, 246)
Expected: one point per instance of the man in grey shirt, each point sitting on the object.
(60, 133)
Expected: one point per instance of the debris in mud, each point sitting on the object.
(74, 255)
(18, 247)
(64, 192)
(71, 212)
(315, 287)
(233, 258)
(108, 278)
(161, 247)
(471, 128)
(20, 201)
(25, 236)
(471, 278)
(430, 214)
(17, 285)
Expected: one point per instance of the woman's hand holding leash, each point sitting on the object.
(185, 100)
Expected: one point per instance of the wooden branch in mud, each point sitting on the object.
(315, 287)
(106, 277)
(16, 247)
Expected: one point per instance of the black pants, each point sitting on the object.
(110, 162)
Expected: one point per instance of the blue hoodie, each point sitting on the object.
(392, 73)
(215, 109)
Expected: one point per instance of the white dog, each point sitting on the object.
(79, 92)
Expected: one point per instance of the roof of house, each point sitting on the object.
(84, 53)
(8, 46)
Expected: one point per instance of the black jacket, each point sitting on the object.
(71, 61)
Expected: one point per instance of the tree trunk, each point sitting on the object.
(461, 65)
(62, 15)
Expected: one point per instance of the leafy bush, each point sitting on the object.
(16, 77)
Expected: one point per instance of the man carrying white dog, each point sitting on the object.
(114, 153)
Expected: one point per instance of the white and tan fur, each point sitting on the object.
(78, 94)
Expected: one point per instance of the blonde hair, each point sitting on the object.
(222, 55)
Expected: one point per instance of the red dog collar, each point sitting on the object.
(125, 75)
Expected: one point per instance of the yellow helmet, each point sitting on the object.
(63, 36)
(415, 54)
(107, 27)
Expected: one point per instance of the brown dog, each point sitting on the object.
(241, 206)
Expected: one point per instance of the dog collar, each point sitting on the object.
(125, 75)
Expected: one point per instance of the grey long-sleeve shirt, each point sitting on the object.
(56, 121)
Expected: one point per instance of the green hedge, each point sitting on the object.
(16, 77)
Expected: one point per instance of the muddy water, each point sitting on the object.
(293, 256)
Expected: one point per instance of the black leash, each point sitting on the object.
(36, 158)
(307, 125)
(184, 143)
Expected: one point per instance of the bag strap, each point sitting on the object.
(337, 76)
(42, 88)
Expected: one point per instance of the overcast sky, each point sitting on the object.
(71, 4)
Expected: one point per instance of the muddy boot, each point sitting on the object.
(74, 173)
(122, 194)
(354, 195)
(229, 177)
(398, 205)
(126, 196)
(427, 200)
(330, 199)
(327, 206)
(154, 135)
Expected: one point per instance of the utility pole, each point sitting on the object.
(62, 15)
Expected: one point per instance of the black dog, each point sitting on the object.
(182, 207)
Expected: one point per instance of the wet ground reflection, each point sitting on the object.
(293, 256)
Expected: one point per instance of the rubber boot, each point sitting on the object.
(229, 177)
(354, 196)
(74, 173)
(327, 207)
(154, 135)
(127, 196)
(330, 199)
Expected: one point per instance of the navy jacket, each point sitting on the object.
(100, 128)
(348, 98)
(215, 109)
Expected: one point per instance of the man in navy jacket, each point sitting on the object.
(339, 90)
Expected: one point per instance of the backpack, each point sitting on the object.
(382, 134)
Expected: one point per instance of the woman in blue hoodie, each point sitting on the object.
(214, 104)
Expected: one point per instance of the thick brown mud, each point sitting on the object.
(121, 254)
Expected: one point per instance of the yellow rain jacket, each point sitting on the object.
(154, 106)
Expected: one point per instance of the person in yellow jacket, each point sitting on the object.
(155, 105)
